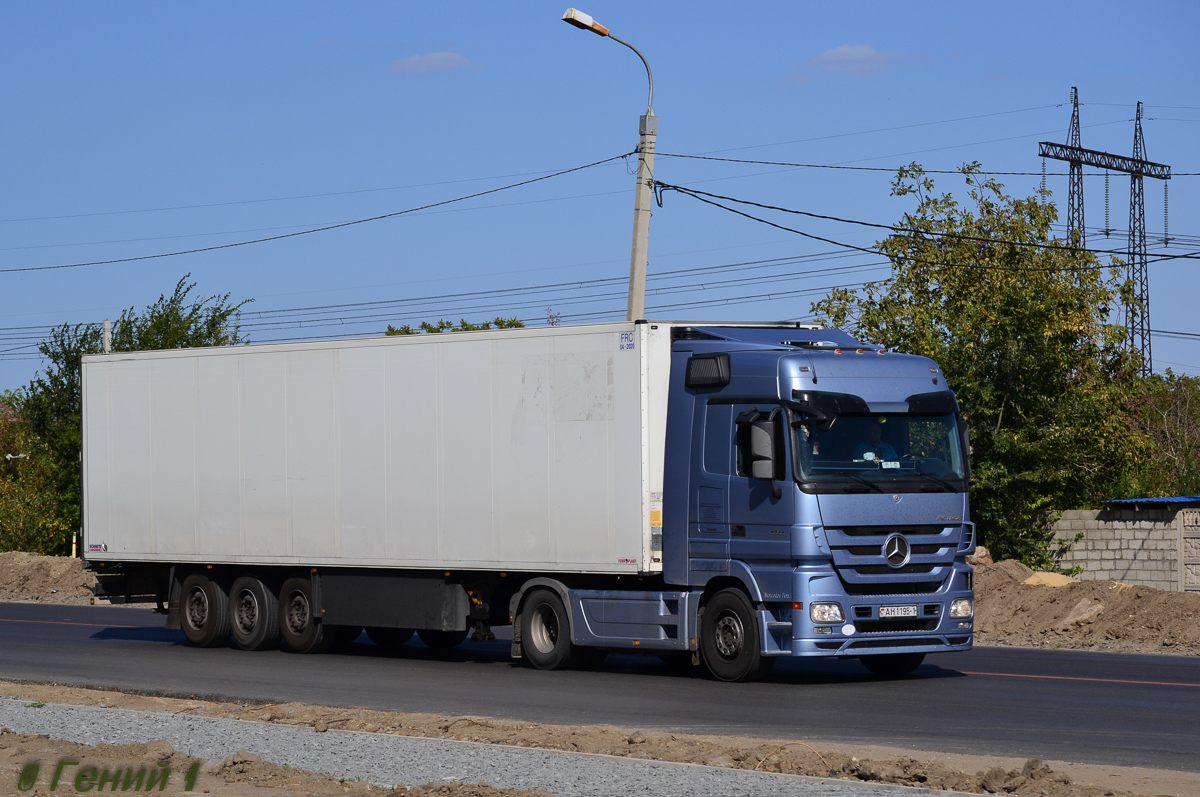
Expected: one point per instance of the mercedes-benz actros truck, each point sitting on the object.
(727, 494)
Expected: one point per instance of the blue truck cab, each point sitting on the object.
(825, 480)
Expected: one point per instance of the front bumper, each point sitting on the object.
(863, 632)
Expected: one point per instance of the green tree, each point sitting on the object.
(447, 326)
(1019, 322)
(30, 516)
(48, 408)
(1167, 411)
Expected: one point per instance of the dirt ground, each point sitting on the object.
(239, 775)
(1081, 615)
(44, 579)
(932, 770)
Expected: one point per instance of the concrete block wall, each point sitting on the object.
(1189, 522)
(1139, 547)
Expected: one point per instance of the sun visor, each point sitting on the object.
(940, 403)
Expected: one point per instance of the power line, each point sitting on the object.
(33, 333)
(317, 229)
(889, 169)
(268, 199)
(697, 194)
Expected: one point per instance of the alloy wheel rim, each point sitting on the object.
(543, 629)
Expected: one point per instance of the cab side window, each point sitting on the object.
(718, 437)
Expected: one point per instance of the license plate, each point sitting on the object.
(897, 611)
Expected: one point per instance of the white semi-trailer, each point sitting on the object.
(664, 487)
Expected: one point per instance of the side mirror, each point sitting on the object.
(762, 450)
(763, 446)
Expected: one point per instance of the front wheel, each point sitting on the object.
(893, 664)
(729, 639)
(205, 612)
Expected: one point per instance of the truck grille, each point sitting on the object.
(859, 562)
(892, 626)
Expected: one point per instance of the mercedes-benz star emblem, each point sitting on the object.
(896, 550)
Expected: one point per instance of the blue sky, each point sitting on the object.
(135, 129)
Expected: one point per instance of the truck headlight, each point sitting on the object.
(961, 608)
(826, 613)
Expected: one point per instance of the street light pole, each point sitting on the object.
(647, 135)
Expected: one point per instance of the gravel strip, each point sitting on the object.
(386, 759)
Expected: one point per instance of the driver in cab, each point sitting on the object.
(875, 447)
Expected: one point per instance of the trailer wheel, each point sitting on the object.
(546, 632)
(442, 640)
(253, 614)
(729, 642)
(893, 664)
(299, 629)
(390, 638)
(205, 611)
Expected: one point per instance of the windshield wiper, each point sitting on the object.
(930, 477)
(867, 482)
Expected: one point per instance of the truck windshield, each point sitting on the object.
(882, 448)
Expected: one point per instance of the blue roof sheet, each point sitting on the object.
(1179, 499)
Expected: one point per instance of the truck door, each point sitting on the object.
(708, 501)
(759, 523)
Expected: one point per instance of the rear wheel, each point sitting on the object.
(254, 614)
(442, 640)
(204, 609)
(299, 629)
(390, 638)
(893, 664)
(546, 632)
(729, 639)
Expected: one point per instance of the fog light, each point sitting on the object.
(823, 630)
(826, 613)
(964, 624)
(961, 607)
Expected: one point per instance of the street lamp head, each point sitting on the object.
(584, 21)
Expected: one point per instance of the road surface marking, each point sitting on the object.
(1076, 678)
(64, 622)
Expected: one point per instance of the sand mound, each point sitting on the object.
(1093, 615)
(45, 579)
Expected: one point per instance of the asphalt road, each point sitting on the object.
(1087, 707)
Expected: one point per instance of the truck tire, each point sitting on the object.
(442, 640)
(299, 629)
(729, 639)
(204, 612)
(893, 664)
(253, 614)
(390, 638)
(546, 632)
